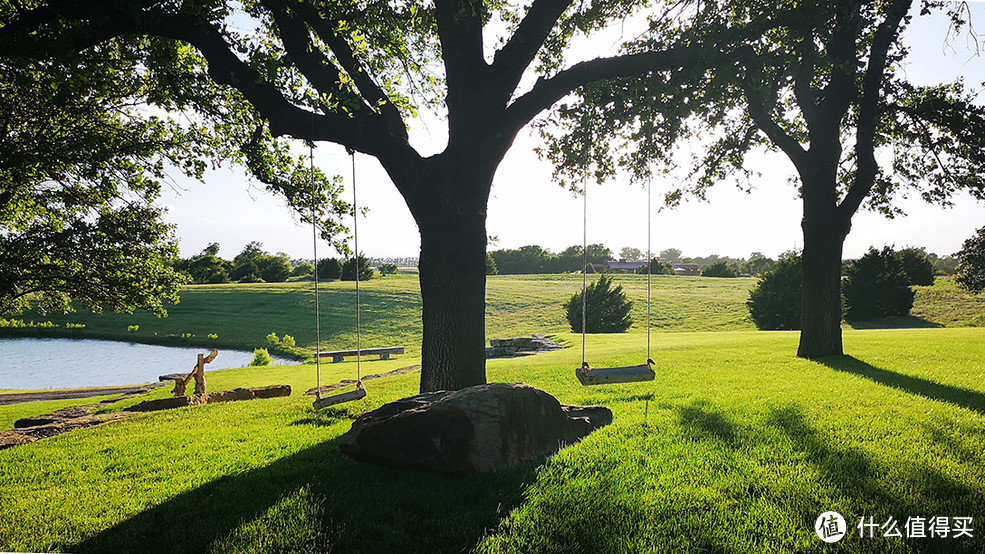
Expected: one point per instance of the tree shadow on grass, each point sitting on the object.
(896, 322)
(362, 508)
(850, 471)
(966, 398)
(700, 417)
(924, 490)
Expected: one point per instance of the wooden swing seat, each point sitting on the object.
(339, 398)
(608, 375)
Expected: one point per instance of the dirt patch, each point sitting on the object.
(347, 382)
(69, 394)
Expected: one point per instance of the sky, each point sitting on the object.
(527, 207)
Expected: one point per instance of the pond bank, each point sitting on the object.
(31, 364)
(69, 394)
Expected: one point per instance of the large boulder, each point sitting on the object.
(477, 429)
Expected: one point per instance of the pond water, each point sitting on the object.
(27, 363)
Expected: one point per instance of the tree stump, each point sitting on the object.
(198, 374)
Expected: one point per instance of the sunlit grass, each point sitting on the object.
(737, 446)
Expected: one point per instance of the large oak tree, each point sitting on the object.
(355, 72)
(826, 86)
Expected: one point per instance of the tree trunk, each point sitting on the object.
(824, 238)
(453, 291)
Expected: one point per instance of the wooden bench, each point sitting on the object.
(384, 352)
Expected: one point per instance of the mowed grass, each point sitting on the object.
(241, 315)
(737, 446)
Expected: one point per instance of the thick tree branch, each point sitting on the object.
(318, 69)
(764, 120)
(284, 118)
(753, 91)
(518, 53)
(803, 90)
(103, 21)
(460, 32)
(548, 91)
(371, 91)
(869, 110)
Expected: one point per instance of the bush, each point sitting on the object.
(970, 272)
(303, 269)
(288, 341)
(329, 268)
(876, 286)
(349, 269)
(656, 267)
(491, 268)
(917, 266)
(607, 309)
(775, 302)
(387, 269)
(272, 338)
(261, 357)
(719, 269)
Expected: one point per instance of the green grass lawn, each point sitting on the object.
(737, 446)
(241, 316)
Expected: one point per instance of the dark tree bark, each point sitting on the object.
(453, 292)
(820, 333)
(448, 201)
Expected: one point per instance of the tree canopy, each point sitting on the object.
(825, 85)
(800, 76)
(83, 160)
(356, 73)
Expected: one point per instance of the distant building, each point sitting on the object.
(687, 269)
(621, 266)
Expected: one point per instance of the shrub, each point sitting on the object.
(775, 301)
(656, 267)
(876, 286)
(387, 269)
(970, 272)
(261, 357)
(719, 269)
(288, 341)
(917, 266)
(329, 268)
(303, 269)
(272, 338)
(491, 268)
(349, 269)
(607, 309)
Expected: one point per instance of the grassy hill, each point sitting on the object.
(737, 446)
(242, 315)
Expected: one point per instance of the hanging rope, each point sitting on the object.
(355, 245)
(584, 271)
(649, 270)
(314, 249)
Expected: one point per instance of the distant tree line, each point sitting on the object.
(254, 265)
(533, 259)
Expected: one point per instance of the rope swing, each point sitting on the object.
(627, 374)
(359, 391)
